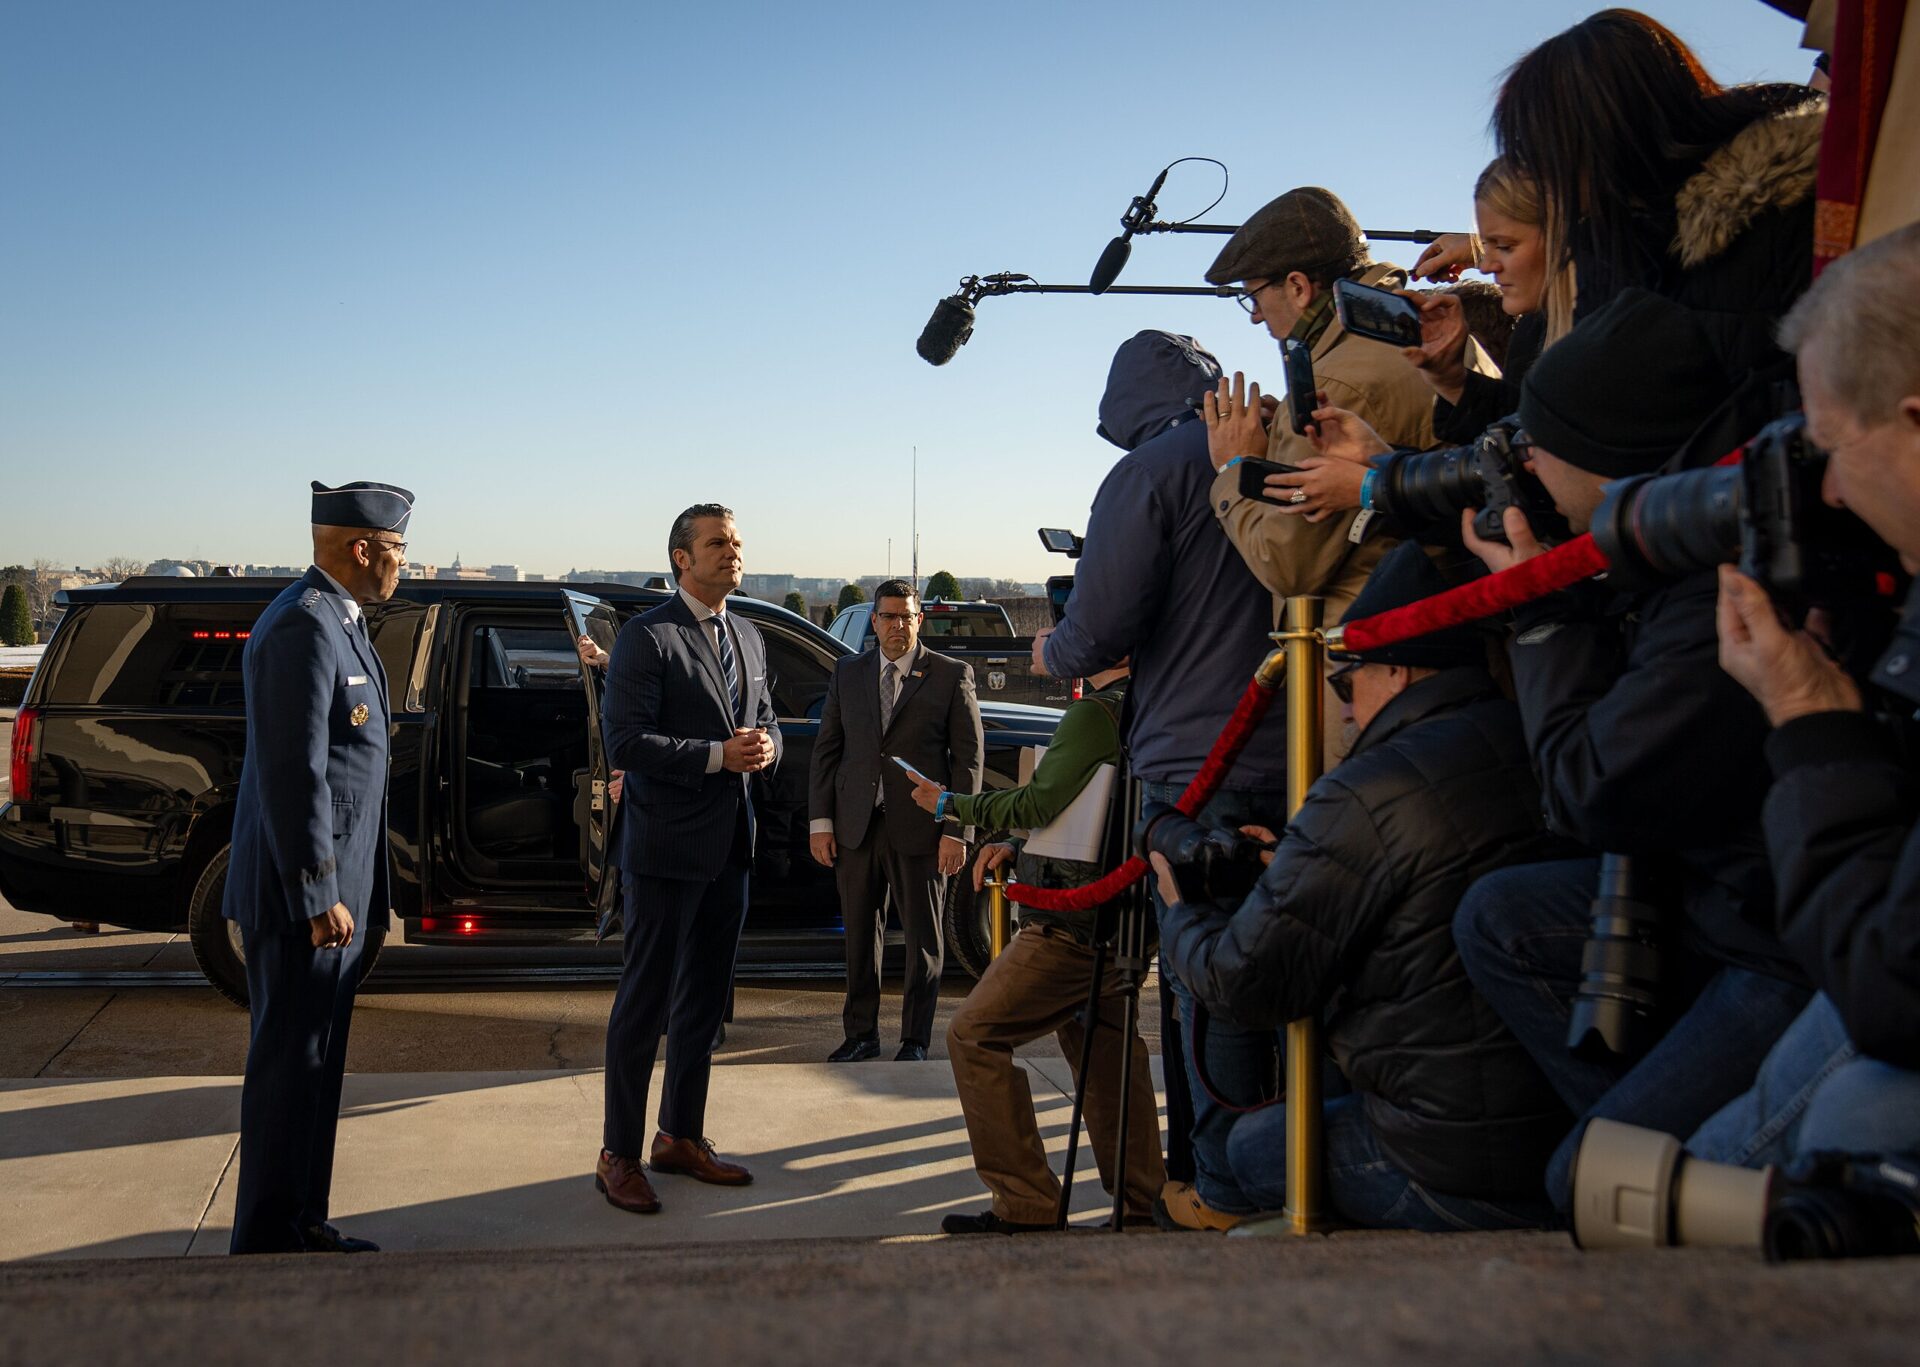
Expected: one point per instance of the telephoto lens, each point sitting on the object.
(1425, 491)
(1617, 1003)
(1838, 1205)
(1765, 514)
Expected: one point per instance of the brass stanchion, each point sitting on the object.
(1306, 1213)
(999, 913)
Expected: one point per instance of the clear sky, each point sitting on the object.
(564, 268)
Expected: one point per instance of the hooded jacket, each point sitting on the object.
(1352, 921)
(1159, 581)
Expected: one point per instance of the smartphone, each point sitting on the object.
(1380, 314)
(1302, 396)
(1253, 477)
(912, 772)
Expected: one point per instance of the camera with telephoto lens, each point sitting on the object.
(1209, 865)
(1420, 489)
(1639, 1188)
(1764, 514)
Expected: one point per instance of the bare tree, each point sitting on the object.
(120, 567)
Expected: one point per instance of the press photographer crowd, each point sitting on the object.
(1610, 906)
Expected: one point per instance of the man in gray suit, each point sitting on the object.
(901, 701)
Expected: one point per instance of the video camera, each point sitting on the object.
(1764, 514)
(1420, 489)
(1209, 865)
(1060, 541)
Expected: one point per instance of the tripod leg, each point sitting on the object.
(1129, 1026)
(1091, 1020)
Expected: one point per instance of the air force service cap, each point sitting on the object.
(383, 507)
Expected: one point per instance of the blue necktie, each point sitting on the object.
(729, 666)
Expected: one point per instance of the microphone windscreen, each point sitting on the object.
(1107, 269)
(947, 331)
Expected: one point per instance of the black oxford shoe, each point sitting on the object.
(911, 1051)
(987, 1223)
(327, 1239)
(855, 1051)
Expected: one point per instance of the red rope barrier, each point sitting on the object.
(1558, 568)
(1254, 704)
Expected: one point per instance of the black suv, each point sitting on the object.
(128, 745)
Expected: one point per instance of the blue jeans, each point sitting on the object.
(1520, 933)
(1363, 1184)
(1812, 1093)
(1242, 1066)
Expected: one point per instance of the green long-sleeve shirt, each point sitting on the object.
(1088, 736)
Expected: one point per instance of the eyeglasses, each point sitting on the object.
(1341, 682)
(399, 546)
(1248, 299)
(898, 619)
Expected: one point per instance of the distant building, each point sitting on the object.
(458, 571)
(511, 573)
(637, 578)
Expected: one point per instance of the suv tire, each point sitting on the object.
(967, 922)
(216, 940)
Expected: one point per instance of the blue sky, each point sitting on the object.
(565, 268)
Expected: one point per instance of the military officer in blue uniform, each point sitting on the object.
(307, 884)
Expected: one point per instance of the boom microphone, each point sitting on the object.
(947, 331)
(1139, 213)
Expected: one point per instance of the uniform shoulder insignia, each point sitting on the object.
(309, 598)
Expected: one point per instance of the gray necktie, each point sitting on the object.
(889, 688)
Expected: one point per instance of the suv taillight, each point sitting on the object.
(26, 731)
(1079, 689)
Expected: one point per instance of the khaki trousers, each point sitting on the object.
(1039, 985)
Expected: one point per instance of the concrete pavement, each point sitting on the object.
(134, 1167)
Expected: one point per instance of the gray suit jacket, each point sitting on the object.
(935, 727)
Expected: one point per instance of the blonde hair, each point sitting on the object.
(1511, 195)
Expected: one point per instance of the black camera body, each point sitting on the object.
(1060, 541)
(1209, 865)
(1764, 514)
(1840, 1205)
(1423, 488)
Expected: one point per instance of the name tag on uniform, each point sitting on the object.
(353, 679)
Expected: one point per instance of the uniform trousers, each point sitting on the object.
(1038, 986)
(301, 999)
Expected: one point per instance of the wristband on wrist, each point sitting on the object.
(940, 807)
(1366, 489)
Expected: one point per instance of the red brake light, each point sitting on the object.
(202, 635)
(1079, 689)
(26, 734)
(467, 927)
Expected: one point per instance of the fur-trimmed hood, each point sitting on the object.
(1769, 164)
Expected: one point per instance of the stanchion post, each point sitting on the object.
(1299, 636)
(999, 918)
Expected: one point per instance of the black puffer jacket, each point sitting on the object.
(1353, 921)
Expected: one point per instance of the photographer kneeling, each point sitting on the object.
(1843, 818)
(1037, 986)
(1644, 748)
(1449, 1123)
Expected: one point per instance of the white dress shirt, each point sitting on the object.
(716, 752)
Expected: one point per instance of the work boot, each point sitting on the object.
(1180, 1208)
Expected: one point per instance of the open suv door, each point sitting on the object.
(594, 811)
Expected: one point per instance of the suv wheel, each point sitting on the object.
(217, 947)
(967, 915)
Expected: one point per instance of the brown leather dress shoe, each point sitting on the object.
(625, 1183)
(695, 1158)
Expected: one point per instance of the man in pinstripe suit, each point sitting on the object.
(689, 718)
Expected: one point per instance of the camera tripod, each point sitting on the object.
(1128, 940)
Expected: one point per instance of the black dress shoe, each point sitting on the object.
(327, 1239)
(986, 1222)
(911, 1051)
(855, 1050)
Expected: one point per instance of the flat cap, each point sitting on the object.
(383, 507)
(1307, 229)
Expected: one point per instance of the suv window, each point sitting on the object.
(523, 657)
(965, 624)
(153, 655)
(799, 682)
